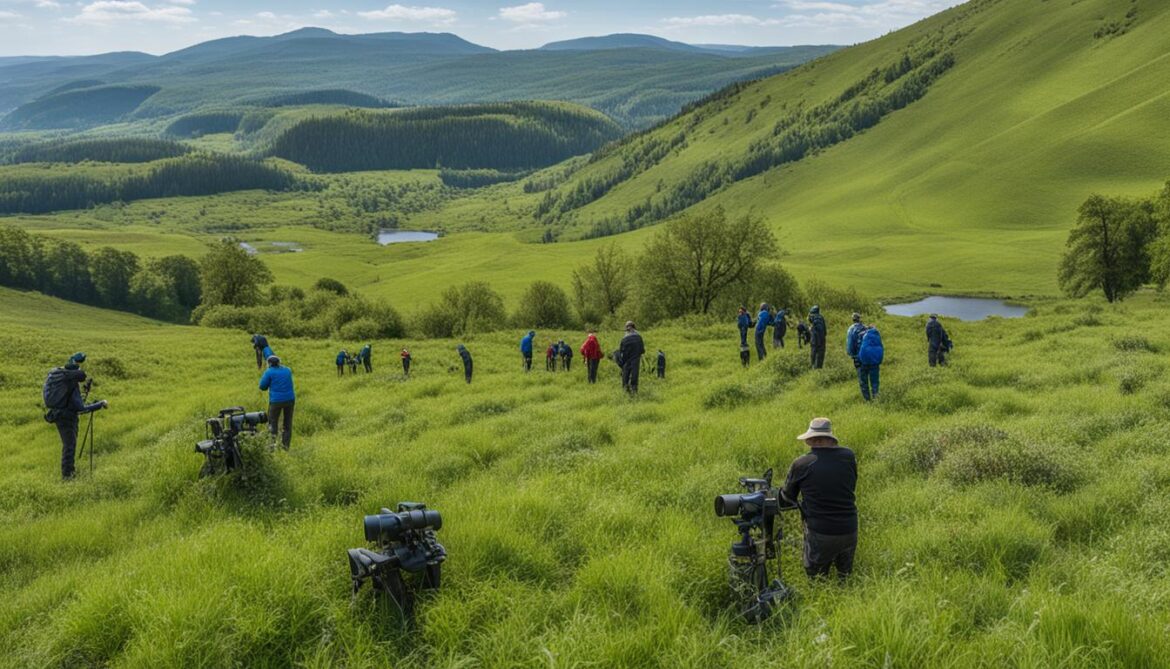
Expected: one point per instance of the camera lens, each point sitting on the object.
(727, 505)
(390, 526)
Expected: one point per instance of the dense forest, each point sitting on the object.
(328, 96)
(36, 190)
(506, 137)
(120, 150)
(79, 108)
(205, 123)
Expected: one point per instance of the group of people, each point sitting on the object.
(863, 342)
(362, 357)
(628, 356)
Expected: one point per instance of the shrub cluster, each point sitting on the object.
(322, 312)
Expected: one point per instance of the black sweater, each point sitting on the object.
(825, 479)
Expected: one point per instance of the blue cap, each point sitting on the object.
(77, 358)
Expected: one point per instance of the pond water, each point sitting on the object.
(962, 308)
(400, 236)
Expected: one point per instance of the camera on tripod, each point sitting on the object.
(754, 513)
(221, 449)
(406, 543)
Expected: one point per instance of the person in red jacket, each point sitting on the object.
(591, 351)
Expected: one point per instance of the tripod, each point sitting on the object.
(87, 439)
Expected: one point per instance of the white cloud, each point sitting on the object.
(187, 3)
(434, 15)
(9, 15)
(48, 4)
(882, 14)
(529, 14)
(719, 20)
(323, 14)
(265, 15)
(112, 11)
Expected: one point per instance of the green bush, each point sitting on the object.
(1016, 461)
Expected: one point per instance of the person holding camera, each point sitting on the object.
(278, 381)
(821, 484)
(63, 398)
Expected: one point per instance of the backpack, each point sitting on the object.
(58, 386)
(871, 352)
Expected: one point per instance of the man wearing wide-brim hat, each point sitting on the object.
(822, 483)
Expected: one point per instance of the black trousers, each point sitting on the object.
(67, 429)
(467, 365)
(761, 352)
(743, 336)
(528, 362)
(280, 415)
(406, 366)
(937, 356)
(369, 367)
(259, 358)
(822, 551)
(662, 371)
(341, 370)
(778, 338)
(567, 363)
(591, 369)
(817, 354)
(630, 372)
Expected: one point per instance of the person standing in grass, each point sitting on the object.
(937, 342)
(821, 483)
(566, 355)
(278, 381)
(853, 338)
(526, 350)
(779, 328)
(342, 356)
(364, 356)
(591, 352)
(405, 362)
(763, 320)
(870, 354)
(259, 344)
(630, 352)
(467, 365)
(744, 321)
(352, 361)
(818, 333)
(550, 357)
(64, 401)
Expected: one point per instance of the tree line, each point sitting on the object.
(1117, 246)
(119, 150)
(505, 137)
(30, 192)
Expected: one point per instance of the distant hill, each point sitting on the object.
(620, 41)
(78, 108)
(637, 84)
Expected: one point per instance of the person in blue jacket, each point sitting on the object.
(566, 353)
(365, 356)
(779, 328)
(870, 355)
(526, 349)
(278, 381)
(342, 357)
(744, 321)
(853, 338)
(763, 320)
(467, 363)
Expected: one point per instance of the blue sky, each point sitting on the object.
(37, 27)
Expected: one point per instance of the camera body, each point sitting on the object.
(221, 446)
(405, 542)
(754, 513)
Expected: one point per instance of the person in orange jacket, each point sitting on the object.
(591, 351)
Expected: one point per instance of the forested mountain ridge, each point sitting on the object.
(635, 86)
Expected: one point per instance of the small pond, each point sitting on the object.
(401, 236)
(962, 308)
(271, 247)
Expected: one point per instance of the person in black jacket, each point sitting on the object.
(466, 356)
(259, 343)
(822, 483)
(661, 365)
(817, 336)
(937, 342)
(631, 351)
(63, 399)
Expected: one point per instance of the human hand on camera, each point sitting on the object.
(103, 404)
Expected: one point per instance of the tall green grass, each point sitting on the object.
(1012, 505)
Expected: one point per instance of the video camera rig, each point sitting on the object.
(754, 514)
(223, 431)
(406, 542)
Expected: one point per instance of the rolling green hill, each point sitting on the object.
(1020, 110)
(636, 86)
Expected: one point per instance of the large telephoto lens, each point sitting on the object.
(256, 418)
(727, 505)
(390, 526)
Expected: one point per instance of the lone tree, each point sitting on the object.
(228, 275)
(602, 286)
(1109, 248)
(695, 259)
(544, 305)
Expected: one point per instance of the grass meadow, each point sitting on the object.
(1012, 505)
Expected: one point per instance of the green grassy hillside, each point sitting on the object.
(972, 186)
(1012, 505)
